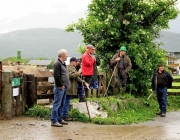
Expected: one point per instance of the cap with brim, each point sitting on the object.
(73, 59)
(91, 47)
(160, 64)
(123, 48)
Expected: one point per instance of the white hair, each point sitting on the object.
(61, 52)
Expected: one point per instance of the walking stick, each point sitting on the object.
(86, 101)
(105, 94)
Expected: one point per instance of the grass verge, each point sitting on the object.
(120, 112)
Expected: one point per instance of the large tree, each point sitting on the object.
(133, 23)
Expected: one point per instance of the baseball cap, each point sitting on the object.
(73, 59)
(91, 47)
(160, 64)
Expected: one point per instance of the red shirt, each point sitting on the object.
(87, 64)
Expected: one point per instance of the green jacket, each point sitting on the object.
(127, 63)
(74, 77)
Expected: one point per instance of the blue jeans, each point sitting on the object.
(66, 107)
(162, 98)
(94, 84)
(59, 100)
(80, 91)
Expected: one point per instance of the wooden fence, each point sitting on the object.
(31, 89)
(175, 89)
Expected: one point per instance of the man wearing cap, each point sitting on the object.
(161, 80)
(122, 65)
(74, 77)
(88, 62)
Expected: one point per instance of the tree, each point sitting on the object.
(133, 23)
(19, 55)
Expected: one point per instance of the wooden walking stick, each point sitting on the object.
(105, 94)
(86, 101)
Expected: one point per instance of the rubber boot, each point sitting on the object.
(94, 93)
(115, 91)
(122, 92)
(88, 93)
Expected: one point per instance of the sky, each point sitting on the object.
(13, 10)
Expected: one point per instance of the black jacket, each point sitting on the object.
(61, 76)
(168, 76)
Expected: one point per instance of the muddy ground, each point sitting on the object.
(25, 128)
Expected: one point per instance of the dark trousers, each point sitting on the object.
(162, 98)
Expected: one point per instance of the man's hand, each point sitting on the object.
(80, 70)
(62, 87)
(87, 85)
(117, 59)
(94, 58)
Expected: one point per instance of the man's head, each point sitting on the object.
(62, 54)
(123, 50)
(90, 49)
(160, 66)
(73, 61)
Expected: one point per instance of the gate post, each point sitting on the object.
(31, 98)
(7, 98)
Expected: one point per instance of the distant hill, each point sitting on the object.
(39, 42)
(170, 40)
(46, 42)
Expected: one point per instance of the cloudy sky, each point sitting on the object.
(24, 14)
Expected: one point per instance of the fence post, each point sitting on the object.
(31, 94)
(24, 92)
(7, 98)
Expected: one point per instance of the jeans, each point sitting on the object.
(66, 107)
(80, 91)
(94, 84)
(162, 98)
(59, 101)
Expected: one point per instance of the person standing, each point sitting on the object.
(88, 62)
(60, 88)
(94, 84)
(122, 66)
(161, 80)
(80, 91)
(74, 77)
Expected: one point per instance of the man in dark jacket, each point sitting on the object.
(161, 80)
(122, 65)
(60, 88)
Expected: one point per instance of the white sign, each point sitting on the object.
(15, 91)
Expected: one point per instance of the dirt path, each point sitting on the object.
(24, 128)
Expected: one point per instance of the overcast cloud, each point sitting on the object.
(25, 14)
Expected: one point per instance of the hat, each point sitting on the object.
(73, 59)
(91, 47)
(160, 64)
(123, 48)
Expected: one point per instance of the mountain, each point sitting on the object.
(39, 42)
(170, 40)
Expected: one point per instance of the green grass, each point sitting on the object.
(120, 112)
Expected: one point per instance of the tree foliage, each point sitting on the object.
(133, 23)
(19, 54)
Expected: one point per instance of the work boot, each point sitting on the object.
(122, 92)
(163, 115)
(159, 113)
(115, 91)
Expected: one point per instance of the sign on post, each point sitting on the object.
(16, 82)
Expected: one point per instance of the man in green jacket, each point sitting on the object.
(122, 65)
